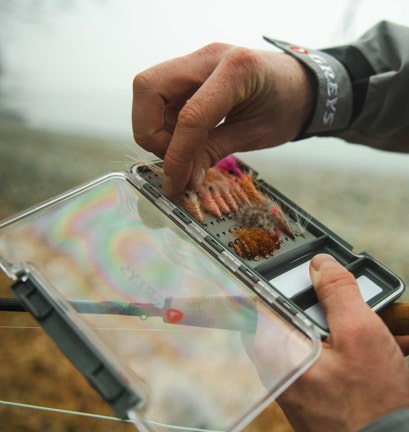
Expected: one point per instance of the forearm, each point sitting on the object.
(362, 88)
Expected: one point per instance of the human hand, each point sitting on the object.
(265, 99)
(361, 374)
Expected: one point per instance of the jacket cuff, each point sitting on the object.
(397, 421)
(334, 100)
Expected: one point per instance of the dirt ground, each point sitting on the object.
(35, 165)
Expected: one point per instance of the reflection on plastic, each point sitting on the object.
(95, 247)
(230, 313)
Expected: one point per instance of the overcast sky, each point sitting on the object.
(72, 66)
(69, 64)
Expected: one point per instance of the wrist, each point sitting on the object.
(331, 86)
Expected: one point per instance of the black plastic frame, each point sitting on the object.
(317, 238)
(76, 345)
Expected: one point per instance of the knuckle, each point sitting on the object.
(334, 279)
(242, 59)
(140, 139)
(212, 154)
(142, 82)
(174, 159)
(359, 331)
(191, 116)
(214, 48)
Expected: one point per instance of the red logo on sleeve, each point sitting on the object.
(299, 50)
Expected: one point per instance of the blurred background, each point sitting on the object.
(66, 70)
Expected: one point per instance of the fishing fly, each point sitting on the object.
(256, 221)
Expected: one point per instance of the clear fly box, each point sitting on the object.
(168, 324)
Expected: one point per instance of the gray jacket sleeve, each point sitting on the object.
(362, 88)
(395, 422)
(362, 96)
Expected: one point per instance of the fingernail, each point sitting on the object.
(315, 276)
(167, 185)
(318, 264)
(198, 177)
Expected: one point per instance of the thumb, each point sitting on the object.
(337, 291)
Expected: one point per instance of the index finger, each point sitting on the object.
(186, 158)
(160, 91)
(189, 153)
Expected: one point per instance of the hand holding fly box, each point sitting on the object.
(178, 321)
(272, 237)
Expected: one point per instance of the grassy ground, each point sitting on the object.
(35, 164)
(368, 211)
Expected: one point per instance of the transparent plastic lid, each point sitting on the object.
(199, 346)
